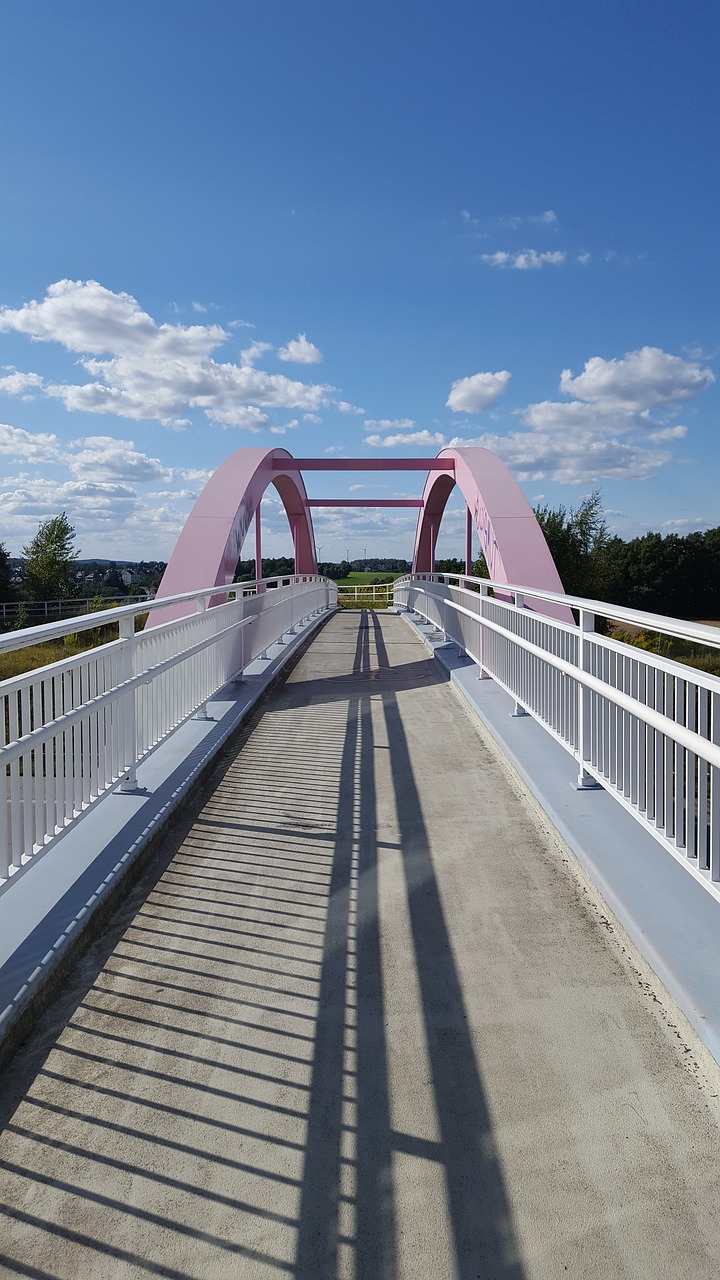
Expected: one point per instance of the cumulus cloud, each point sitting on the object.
(389, 424)
(579, 457)
(246, 416)
(15, 383)
(27, 446)
(300, 351)
(138, 369)
(478, 392)
(345, 407)
(561, 418)
(405, 438)
(249, 355)
(582, 440)
(664, 434)
(525, 259)
(104, 458)
(84, 316)
(640, 380)
(287, 426)
(607, 431)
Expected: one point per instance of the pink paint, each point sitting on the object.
(209, 546)
(440, 463)
(365, 502)
(208, 549)
(510, 536)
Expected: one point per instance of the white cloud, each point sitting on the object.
(86, 317)
(579, 457)
(478, 392)
(583, 258)
(355, 488)
(412, 437)
(151, 371)
(345, 407)
(246, 416)
(699, 522)
(525, 259)
(389, 424)
(664, 434)
(300, 351)
(104, 458)
(640, 380)
(546, 219)
(15, 383)
(249, 355)
(27, 446)
(312, 417)
(553, 416)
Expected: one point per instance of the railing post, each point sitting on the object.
(585, 781)
(128, 709)
(518, 710)
(201, 713)
(484, 675)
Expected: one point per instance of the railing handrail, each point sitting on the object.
(699, 632)
(74, 730)
(89, 621)
(644, 727)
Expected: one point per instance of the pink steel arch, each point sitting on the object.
(208, 549)
(510, 536)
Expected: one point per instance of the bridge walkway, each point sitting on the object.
(358, 1020)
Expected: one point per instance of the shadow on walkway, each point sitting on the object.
(478, 1209)
(212, 1095)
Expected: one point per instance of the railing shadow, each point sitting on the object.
(212, 1090)
(479, 1213)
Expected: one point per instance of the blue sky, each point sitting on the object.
(356, 228)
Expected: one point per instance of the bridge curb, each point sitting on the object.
(31, 974)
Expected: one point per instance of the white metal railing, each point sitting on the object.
(78, 728)
(645, 727)
(369, 593)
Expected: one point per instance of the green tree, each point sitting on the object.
(50, 558)
(577, 538)
(6, 588)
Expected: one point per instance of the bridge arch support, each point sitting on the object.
(209, 546)
(510, 536)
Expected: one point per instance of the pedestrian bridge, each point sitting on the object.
(354, 943)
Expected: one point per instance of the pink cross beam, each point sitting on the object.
(364, 464)
(364, 502)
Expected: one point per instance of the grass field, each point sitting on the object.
(359, 578)
(17, 661)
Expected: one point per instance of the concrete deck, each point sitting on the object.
(359, 1020)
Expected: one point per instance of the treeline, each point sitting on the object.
(49, 569)
(656, 573)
